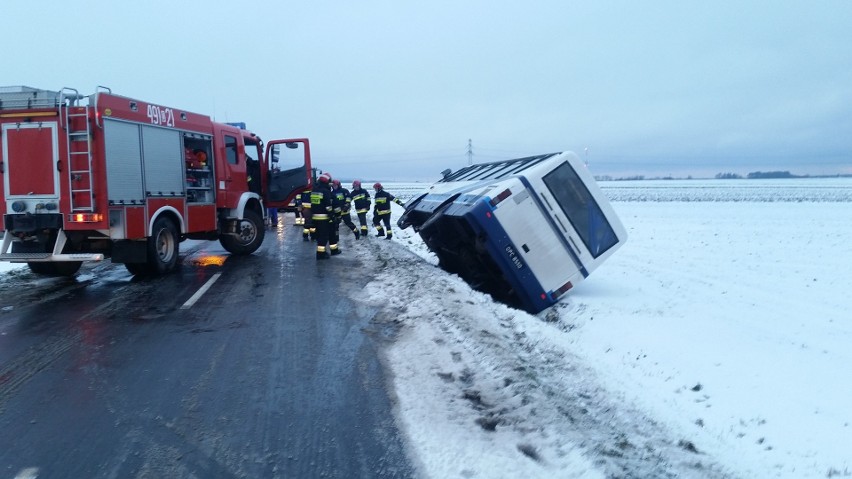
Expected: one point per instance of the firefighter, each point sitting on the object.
(297, 203)
(272, 213)
(308, 229)
(361, 201)
(336, 208)
(344, 199)
(322, 215)
(253, 174)
(382, 210)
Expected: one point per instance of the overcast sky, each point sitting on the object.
(394, 90)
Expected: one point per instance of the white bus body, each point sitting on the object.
(525, 230)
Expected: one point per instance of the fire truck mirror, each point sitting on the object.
(292, 145)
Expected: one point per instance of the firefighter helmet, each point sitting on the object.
(356, 184)
(377, 186)
(324, 178)
(336, 183)
(201, 156)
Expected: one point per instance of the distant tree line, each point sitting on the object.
(757, 175)
(622, 178)
(728, 176)
(722, 176)
(771, 174)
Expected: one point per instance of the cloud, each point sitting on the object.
(371, 83)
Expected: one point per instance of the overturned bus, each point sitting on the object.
(524, 231)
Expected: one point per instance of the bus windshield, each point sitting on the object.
(582, 210)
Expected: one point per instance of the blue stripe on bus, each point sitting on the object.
(474, 208)
(505, 254)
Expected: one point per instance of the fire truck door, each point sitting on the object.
(231, 166)
(30, 156)
(289, 170)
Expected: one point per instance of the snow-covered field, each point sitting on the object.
(715, 343)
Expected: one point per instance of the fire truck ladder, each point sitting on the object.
(80, 155)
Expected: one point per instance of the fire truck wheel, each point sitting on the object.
(250, 232)
(163, 246)
(39, 268)
(64, 268)
(137, 269)
(59, 268)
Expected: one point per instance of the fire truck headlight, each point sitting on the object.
(50, 206)
(19, 206)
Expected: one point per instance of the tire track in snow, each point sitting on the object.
(492, 375)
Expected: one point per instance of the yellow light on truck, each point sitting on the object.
(85, 217)
(27, 115)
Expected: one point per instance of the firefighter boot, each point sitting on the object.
(323, 255)
(381, 231)
(335, 251)
(357, 234)
(389, 236)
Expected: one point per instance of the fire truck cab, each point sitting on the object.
(90, 177)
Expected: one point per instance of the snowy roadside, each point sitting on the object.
(684, 356)
(7, 267)
(488, 391)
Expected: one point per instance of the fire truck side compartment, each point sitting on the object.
(163, 162)
(124, 174)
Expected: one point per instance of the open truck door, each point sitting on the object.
(289, 164)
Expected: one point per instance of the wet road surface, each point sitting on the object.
(273, 372)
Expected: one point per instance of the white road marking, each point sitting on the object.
(28, 473)
(198, 294)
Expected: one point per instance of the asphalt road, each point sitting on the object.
(272, 372)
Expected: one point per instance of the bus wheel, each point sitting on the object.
(250, 232)
(163, 246)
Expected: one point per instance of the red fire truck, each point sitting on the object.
(103, 175)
